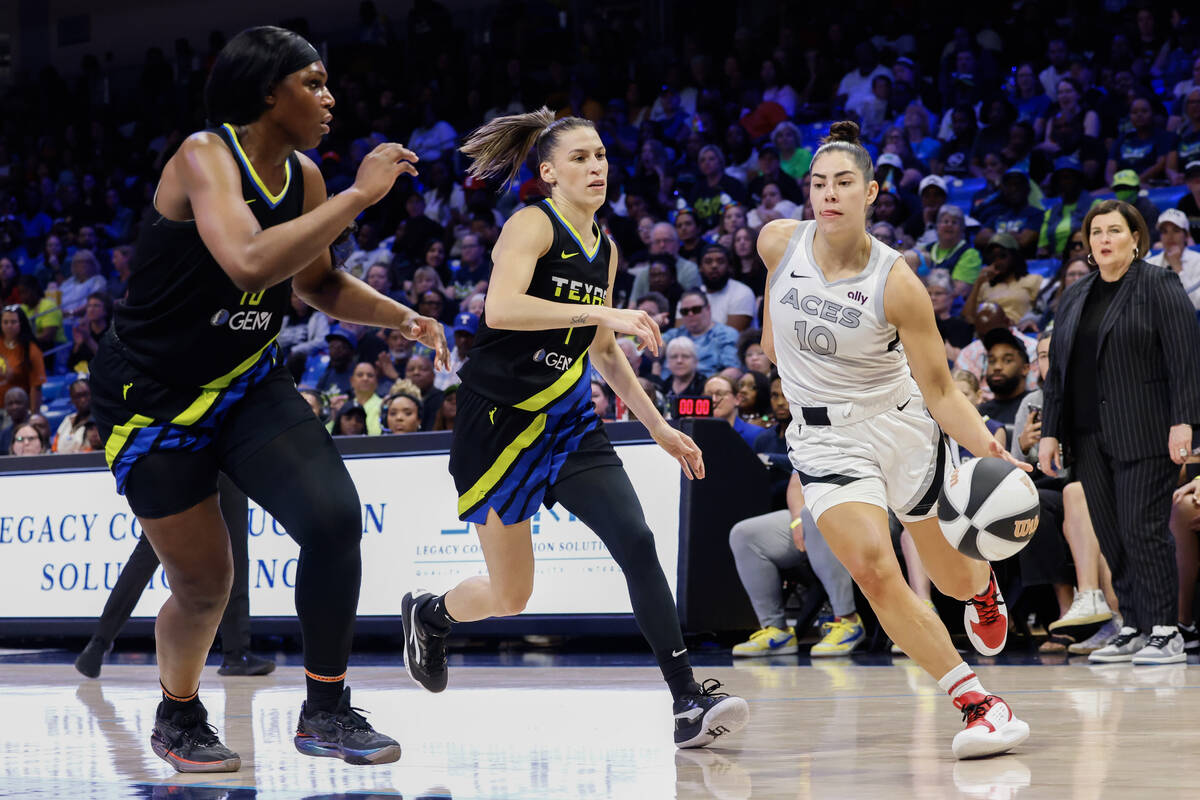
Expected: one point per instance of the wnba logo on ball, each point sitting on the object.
(1025, 527)
(220, 318)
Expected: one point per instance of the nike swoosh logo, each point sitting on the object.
(677, 655)
(564, 254)
(777, 644)
(906, 402)
(794, 275)
(125, 390)
(412, 634)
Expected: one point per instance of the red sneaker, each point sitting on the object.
(986, 619)
(992, 727)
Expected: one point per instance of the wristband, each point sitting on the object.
(799, 520)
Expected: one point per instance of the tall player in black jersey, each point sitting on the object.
(188, 382)
(526, 431)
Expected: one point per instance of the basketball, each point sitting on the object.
(988, 509)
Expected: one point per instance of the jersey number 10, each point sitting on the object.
(251, 298)
(819, 339)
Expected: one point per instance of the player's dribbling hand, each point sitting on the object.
(380, 169)
(429, 332)
(635, 323)
(681, 447)
(996, 450)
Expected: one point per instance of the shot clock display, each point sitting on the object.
(700, 406)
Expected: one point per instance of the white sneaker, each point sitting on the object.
(992, 728)
(1087, 610)
(1120, 647)
(1165, 646)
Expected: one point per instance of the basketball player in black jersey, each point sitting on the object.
(188, 382)
(526, 431)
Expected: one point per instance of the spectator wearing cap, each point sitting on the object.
(1065, 216)
(1013, 214)
(715, 343)
(951, 252)
(771, 171)
(1187, 131)
(352, 420)
(897, 166)
(1175, 238)
(732, 302)
(466, 326)
(793, 158)
(1127, 186)
(715, 189)
(340, 372)
(1008, 368)
(1005, 281)
(1189, 204)
(973, 357)
(933, 192)
(1143, 149)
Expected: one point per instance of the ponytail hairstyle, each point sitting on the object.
(499, 148)
(843, 138)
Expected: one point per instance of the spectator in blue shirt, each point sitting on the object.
(725, 406)
(1144, 149)
(1030, 100)
(716, 344)
(338, 375)
(1013, 214)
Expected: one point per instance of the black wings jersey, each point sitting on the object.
(531, 369)
(184, 321)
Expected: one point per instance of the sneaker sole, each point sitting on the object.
(1115, 659)
(184, 765)
(787, 650)
(309, 746)
(726, 717)
(839, 650)
(1078, 622)
(1014, 732)
(1179, 658)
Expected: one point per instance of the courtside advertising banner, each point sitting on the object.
(64, 538)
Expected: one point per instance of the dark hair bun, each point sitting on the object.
(844, 131)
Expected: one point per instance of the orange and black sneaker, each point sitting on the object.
(985, 619)
(186, 741)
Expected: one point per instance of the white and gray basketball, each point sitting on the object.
(988, 509)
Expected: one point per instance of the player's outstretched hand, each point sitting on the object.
(429, 332)
(682, 449)
(997, 450)
(380, 169)
(635, 323)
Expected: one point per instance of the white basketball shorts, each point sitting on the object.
(896, 459)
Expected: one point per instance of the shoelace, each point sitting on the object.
(988, 611)
(1159, 640)
(973, 711)
(351, 718)
(198, 729)
(1122, 639)
(709, 688)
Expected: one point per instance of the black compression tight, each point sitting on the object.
(605, 501)
(300, 479)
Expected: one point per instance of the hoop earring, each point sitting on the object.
(1091, 260)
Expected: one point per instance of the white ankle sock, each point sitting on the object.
(959, 680)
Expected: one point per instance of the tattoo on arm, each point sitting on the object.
(580, 319)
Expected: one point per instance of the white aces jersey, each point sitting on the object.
(832, 341)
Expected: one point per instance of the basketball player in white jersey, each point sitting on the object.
(850, 326)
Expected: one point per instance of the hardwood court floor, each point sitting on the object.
(830, 730)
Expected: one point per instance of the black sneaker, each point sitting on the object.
(245, 663)
(343, 733)
(1191, 637)
(424, 648)
(188, 743)
(700, 718)
(92, 657)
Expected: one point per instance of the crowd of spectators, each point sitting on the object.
(992, 139)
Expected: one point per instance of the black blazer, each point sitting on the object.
(1148, 362)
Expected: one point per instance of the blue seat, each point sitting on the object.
(1165, 197)
(314, 368)
(1046, 267)
(55, 387)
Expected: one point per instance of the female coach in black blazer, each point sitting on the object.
(1121, 398)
